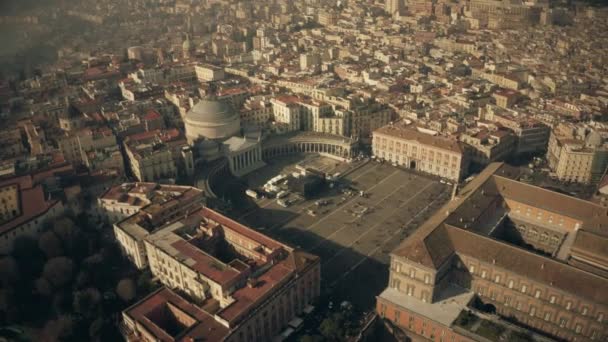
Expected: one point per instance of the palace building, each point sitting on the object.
(534, 257)
(421, 150)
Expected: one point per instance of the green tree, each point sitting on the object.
(59, 271)
(29, 257)
(332, 327)
(50, 244)
(58, 329)
(86, 302)
(9, 272)
(126, 289)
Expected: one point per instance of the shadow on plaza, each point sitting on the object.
(341, 280)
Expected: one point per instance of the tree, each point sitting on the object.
(50, 244)
(144, 282)
(43, 286)
(59, 271)
(64, 228)
(57, 329)
(332, 327)
(311, 338)
(126, 289)
(9, 271)
(95, 329)
(29, 257)
(86, 301)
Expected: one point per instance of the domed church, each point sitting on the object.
(212, 119)
(213, 128)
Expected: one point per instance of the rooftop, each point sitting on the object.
(169, 317)
(411, 133)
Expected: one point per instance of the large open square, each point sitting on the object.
(353, 234)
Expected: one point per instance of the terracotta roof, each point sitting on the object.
(205, 327)
(444, 235)
(594, 217)
(241, 229)
(205, 264)
(530, 265)
(31, 201)
(247, 297)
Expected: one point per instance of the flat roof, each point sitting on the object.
(452, 300)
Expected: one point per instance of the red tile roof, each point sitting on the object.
(205, 327)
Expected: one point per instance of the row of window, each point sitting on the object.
(537, 293)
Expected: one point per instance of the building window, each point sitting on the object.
(584, 310)
(547, 316)
(427, 279)
(472, 269)
(562, 322)
(483, 274)
(524, 288)
(537, 294)
(397, 314)
(532, 311)
(552, 300)
(600, 317)
(497, 279)
(568, 305)
(510, 284)
(578, 328)
(412, 273)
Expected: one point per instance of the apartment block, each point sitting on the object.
(244, 284)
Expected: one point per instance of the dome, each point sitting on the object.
(594, 139)
(211, 119)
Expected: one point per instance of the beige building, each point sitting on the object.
(489, 146)
(138, 209)
(208, 73)
(9, 202)
(158, 154)
(245, 284)
(286, 111)
(24, 208)
(577, 154)
(417, 149)
(75, 144)
(532, 135)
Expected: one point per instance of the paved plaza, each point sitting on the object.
(352, 234)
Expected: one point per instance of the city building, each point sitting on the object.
(127, 199)
(577, 154)
(158, 155)
(244, 284)
(24, 209)
(420, 149)
(138, 209)
(487, 146)
(519, 250)
(393, 7)
(209, 73)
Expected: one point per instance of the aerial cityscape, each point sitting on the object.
(303, 170)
